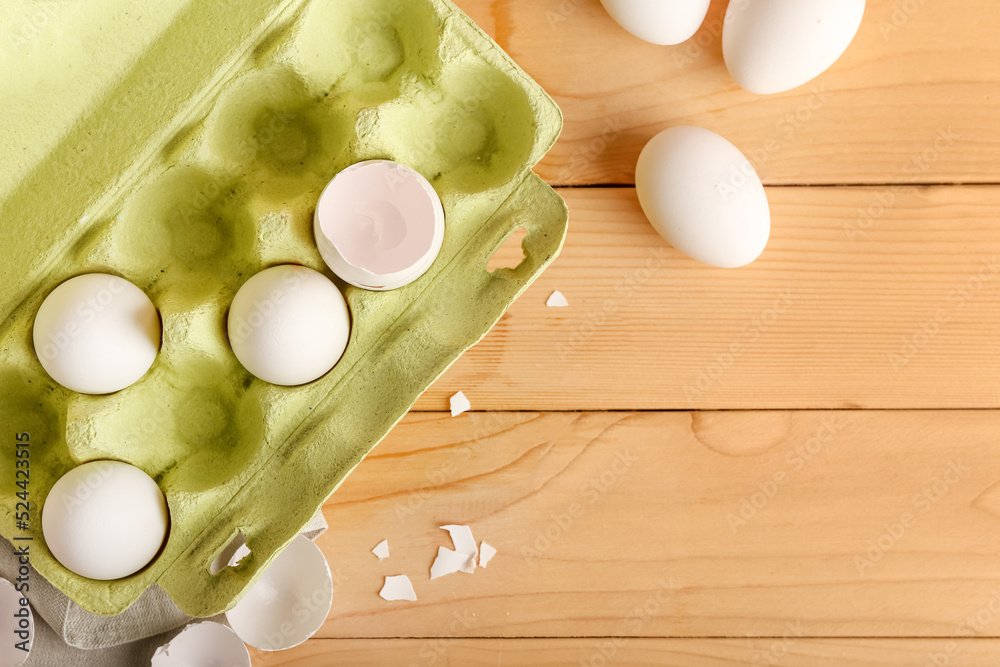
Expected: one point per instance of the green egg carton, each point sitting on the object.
(184, 147)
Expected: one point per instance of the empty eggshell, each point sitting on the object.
(703, 196)
(204, 644)
(771, 46)
(17, 625)
(379, 225)
(664, 22)
(290, 601)
(105, 520)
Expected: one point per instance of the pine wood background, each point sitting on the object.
(795, 463)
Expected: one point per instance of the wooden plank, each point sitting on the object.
(628, 652)
(865, 297)
(916, 71)
(840, 523)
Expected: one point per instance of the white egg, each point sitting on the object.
(665, 22)
(289, 602)
(105, 520)
(97, 334)
(289, 325)
(703, 196)
(771, 46)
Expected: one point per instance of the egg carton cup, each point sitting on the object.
(198, 165)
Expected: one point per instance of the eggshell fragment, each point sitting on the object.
(381, 550)
(462, 559)
(703, 196)
(459, 404)
(398, 588)
(486, 554)
(664, 22)
(204, 644)
(290, 601)
(771, 46)
(557, 300)
(17, 623)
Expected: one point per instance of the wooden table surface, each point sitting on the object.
(792, 463)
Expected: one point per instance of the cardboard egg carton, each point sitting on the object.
(194, 161)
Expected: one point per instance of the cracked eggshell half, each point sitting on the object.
(203, 645)
(703, 197)
(771, 46)
(663, 22)
(379, 225)
(290, 601)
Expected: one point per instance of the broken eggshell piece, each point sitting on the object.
(203, 645)
(398, 588)
(17, 625)
(290, 601)
(379, 225)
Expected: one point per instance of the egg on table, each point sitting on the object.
(703, 196)
(664, 22)
(105, 520)
(289, 325)
(771, 46)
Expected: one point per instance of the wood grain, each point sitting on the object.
(642, 652)
(916, 71)
(841, 523)
(855, 303)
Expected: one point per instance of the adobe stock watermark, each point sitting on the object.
(434, 649)
(976, 623)
(485, 424)
(914, 342)
(589, 495)
(624, 290)
(724, 361)
(922, 503)
(563, 11)
(35, 23)
(796, 460)
(608, 650)
(779, 649)
(913, 169)
(902, 11)
(583, 158)
(242, 328)
(303, 614)
(785, 129)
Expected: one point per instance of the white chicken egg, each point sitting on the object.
(97, 334)
(703, 196)
(771, 46)
(664, 22)
(289, 325)
(105, 520)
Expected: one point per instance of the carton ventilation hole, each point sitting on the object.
(510, 254)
